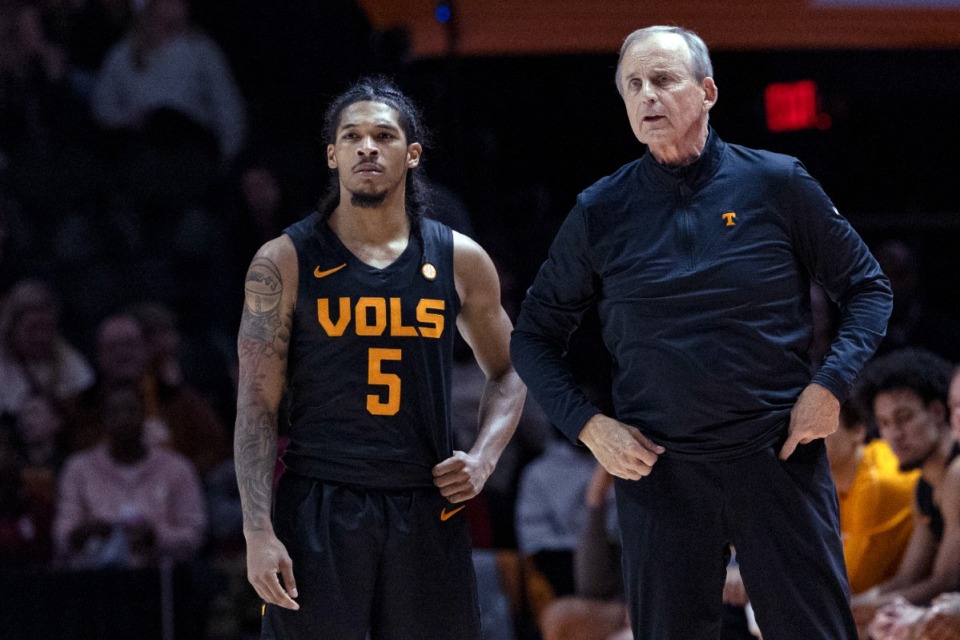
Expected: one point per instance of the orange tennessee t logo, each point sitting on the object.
(729, 216)
(323, 274)
(446, 515)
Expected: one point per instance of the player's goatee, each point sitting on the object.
(367, 200)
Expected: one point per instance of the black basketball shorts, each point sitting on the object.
(394, 563)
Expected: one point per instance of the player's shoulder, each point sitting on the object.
(278, 249)
(474, 269)
(468, 253)
(463, 242)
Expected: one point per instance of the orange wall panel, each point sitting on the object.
(498, 27)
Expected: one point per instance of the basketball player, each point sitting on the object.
(353, 309)
(906, 394)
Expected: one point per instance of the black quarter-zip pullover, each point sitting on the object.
(701, 276)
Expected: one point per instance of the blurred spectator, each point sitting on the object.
(173, 120)
(876, 501)
(32, 79)
(37, 439)
(551, 511)
(90, 28)
(34, 358)
(914, 323)
(125, 502)
(159, 329)
(190, 363)
(121, 361)
(597, 610)
(177, 416)
(906, 394)
(24, 521)
(43, 121)
(166, 64)
(38, 428)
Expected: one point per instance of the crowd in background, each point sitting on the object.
(142, 163)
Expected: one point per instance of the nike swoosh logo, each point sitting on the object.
(446, 515)
(323, 274)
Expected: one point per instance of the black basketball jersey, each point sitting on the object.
(370, 360)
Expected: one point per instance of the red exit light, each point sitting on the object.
(792, 106)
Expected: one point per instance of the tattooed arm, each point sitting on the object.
(263, 345)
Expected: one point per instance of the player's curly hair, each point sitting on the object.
(380, 89)
(918, 370)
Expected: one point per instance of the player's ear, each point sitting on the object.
(414, 149)
(331, 158)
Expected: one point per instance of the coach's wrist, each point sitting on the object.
(590, 429)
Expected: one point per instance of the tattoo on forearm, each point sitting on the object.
(255, 450)
(263, 346)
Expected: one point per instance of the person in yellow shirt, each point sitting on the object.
(875, 501)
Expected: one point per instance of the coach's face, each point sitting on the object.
(370, 153)
(666, 106)
(912, 428)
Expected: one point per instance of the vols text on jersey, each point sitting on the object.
(376, 316)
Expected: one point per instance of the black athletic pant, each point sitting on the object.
(783, 519)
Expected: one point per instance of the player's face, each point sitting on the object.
(911, 427)
(370, 153)
(954, 403)
(666, 106)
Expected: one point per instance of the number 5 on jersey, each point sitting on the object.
(377, 377)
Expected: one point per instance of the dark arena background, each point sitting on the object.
(524, 113)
